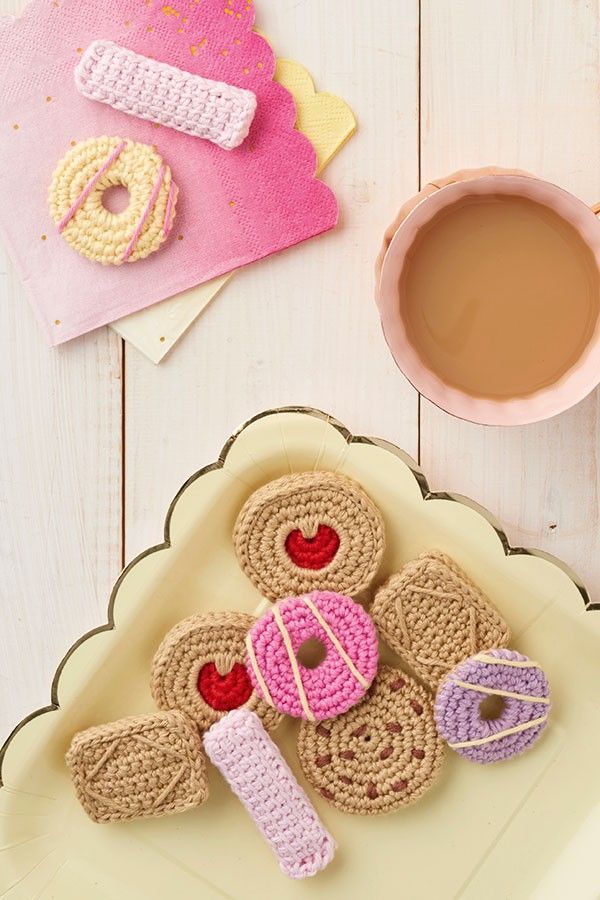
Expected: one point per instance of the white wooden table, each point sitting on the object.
(95, 440)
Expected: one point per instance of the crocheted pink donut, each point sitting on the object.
(524, 695)
(339, 681)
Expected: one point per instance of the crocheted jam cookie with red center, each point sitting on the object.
(140, 767)
(309, 531)
(433, 616)
(381, 755)
(200, 669)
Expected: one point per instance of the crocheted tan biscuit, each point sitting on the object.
(141, 767)
(200, 669)
(309, 531)
(381, 755)
(433, 616)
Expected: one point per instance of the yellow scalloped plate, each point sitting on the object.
(521, 829)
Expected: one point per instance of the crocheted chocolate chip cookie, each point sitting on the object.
(200, 668)
(381, 755)
(144, 766)
(309, 531)
(433, 616)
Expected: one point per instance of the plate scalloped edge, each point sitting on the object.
(350, 438)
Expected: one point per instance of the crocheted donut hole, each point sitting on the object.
(493, 706)
(339, 680)
(76, 199)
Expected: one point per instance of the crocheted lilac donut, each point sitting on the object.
(522, 690)
(340, 680)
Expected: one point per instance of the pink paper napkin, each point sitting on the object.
(234, 207)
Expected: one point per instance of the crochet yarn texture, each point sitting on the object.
(433, 616)
(309, 531)
(505, 674)
(257, 773)
(163, 94)
(140, 767)
(340, 680)
(383, 754)
(200, 668)
(76, 191)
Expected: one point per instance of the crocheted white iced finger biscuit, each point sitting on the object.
(76, 199)
(140, 767)
(143, 87)
(309, 531)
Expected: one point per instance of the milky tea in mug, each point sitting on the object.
(500, 295)
(489, 294)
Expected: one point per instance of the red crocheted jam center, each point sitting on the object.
(315, 552)
(224, 692)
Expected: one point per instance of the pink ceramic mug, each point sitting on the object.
(413, 223)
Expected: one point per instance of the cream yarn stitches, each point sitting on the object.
(143, 766)
(160, 93)
(75, 199)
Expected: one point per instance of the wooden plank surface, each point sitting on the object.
(60, 492)
(517, 84)
(60, 496)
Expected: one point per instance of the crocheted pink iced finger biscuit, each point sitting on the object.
(143, 87)
(257, 773)
(347, 636)
(521, 696)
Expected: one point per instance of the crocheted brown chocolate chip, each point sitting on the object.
(199, 668)
(144, 766)
(433, 616)
(378, 756)
(309, 531)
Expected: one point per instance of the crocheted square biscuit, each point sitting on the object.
(200, 669)
(309, 531)
(433, 616)
(140, 767)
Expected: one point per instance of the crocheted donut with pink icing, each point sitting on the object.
(521, 698)
(340, 680)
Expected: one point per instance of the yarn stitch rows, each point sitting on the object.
(163, 94)
(258, 774)
(346, 632)
(381, 755)
(434, 617)
(503, 673)
(305, 501)
(147, 765)
(180, 678)
(77, 188)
